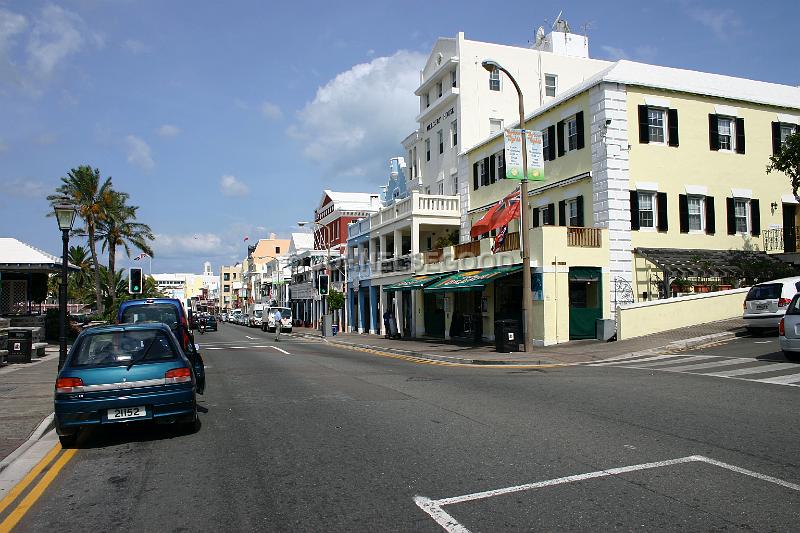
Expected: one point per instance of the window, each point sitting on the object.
(226, 276)
(410, 161)
(494, 80)
(414, 170)
(495, 125)
(453, 79)
(550, 84)
(226, 288)
(277, 249)
(427, 190)
(439, 89)
(572, 212)
(647, 209)
(455, 185)
(427, 99)
(786, 130)
(428, 149)
(740, 209)
(726, 133)
(655, 123)
(441, 187)
(572, 134)
(454, 132)
(545, 143)
(695, 204)
(234, 275)
(499, 164)
(440, 135)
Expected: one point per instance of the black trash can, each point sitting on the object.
(507, 335)
(20, 343)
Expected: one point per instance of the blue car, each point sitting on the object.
(126, 373)
(169, 311)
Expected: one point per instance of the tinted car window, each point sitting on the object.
(770, 291)
(794, 307)
(122, 348)
(162, 313)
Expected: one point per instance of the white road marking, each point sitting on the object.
(781, 380)
(251, 338)
(280, 350)
(762, 342)
(450, 524)
(213, 348)
(769, 367)
(700, 366)
(687, 359)
(626, 362)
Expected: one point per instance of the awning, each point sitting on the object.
(472, 280)
(414, 282)
(704, 263)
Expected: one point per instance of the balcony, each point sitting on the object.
(584, 237)
(395, 264)
(416, 205)
(468, 249)
(510, 243)
(433, 256)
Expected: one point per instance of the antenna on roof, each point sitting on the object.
(586, 26)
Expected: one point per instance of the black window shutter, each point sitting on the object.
(551, 137)
(551, 214)
(535, 217)
(475, 182)
(634, 210)
(661, 200)
(776, 137)
(579, 123)
(731, 216)
(755, 218)
(711, 221)
(560, 135)
(644, 125)
(503, 167)
(492, 174)
(485, 173)
(672, 124)
(683, 212)
(739, 135)
(579, 200)
(562, 213)
(713, 132)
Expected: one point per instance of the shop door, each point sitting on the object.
(789, 229)
(585, 302)
(406, 310)
(434, 315)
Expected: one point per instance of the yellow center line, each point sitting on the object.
(37, 491)
(19, 487)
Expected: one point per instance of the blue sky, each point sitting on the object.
(226, 119)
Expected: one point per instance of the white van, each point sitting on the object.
(268, 323)
(766, 303)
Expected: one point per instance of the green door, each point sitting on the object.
(585, 301)
(434, 314)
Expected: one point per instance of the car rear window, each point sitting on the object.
(768, 291)
(162, 313)
(122, 348)
(794, 306)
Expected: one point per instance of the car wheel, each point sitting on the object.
(791, 356)
(68, 441)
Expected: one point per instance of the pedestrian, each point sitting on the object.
(387, 316)
(278, 317)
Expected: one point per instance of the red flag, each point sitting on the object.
(500, 239)
(498, 215)
(247, 238)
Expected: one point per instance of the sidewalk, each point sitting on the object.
(26, 396)
(568, 353)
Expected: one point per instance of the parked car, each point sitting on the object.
(126, 373)
(167, 311)
(211, 323)
(789, 330)
(224, 317)
(256, 318)
(268, 324)
(766, 303)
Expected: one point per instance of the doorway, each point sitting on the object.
(585, 301)
(789, 228)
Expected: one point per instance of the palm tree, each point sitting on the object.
(91, 196)
(119, 228)
(79, 256)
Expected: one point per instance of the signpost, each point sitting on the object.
(513, 146)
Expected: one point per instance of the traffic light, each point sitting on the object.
(323, 284)
(135, 280)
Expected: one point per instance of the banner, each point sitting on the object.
(513, 146)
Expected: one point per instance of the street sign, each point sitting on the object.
(513, 146)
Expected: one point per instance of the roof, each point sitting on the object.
(350, 200)
(301, 242)
(265, 249)
(16, 255)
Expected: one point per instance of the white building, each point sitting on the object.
(186, 285)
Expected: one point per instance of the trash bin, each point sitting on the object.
(507, 336)
(325, 325)
(20, 343)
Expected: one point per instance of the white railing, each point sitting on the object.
(416, 204)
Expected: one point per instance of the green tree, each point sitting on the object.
(119, 228)
(335, 300)
(91, 195)
(81, 280)
(787, 160)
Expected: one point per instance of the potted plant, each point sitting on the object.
(680, 285)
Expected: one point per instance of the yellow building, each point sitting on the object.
(653, 175)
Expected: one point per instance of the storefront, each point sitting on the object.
(400, 298)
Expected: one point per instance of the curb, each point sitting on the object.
(43, 428)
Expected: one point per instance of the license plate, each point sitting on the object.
(126, 412)
(761, 307)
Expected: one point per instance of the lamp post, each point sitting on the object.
(527, 297)
(65, 215)
(328, 261)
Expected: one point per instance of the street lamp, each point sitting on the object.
(527, 298)
(65, 216)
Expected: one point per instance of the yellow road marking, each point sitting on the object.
(19, 487)
(36, 492)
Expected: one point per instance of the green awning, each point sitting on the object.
(472, 280)
(414, 282)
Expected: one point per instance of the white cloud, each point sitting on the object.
(168, 130)
(139, 153)
(166, 245)
(724, 23)
(271, 111)
(614, 54)
(356, 121)
(135, 47)
(56, 34)
(230, 186)
(25, 188)
(11, 25)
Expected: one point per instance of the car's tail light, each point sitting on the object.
(783, 302)
(178, 375)
(67, 385)
(781, 328)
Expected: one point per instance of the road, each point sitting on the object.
(323, 438)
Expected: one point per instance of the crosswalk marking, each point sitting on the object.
(701, 366)
(781, 380)
(764, 367)
(631, 360)
(672, 362)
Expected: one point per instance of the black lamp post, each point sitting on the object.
(65, 215)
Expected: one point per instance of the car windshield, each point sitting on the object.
(768, 291)
(163, 313)
(285, 312)
(794, 307)
(122, 348)
(257, 313)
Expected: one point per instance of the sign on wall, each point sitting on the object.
(513, 146)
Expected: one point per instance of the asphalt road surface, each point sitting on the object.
(322, 438)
